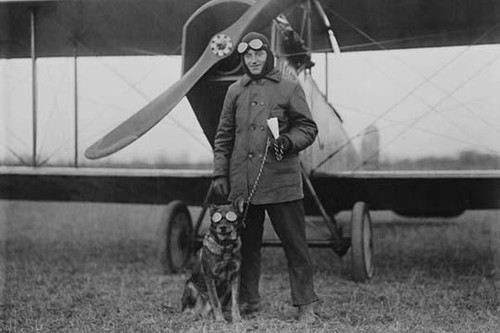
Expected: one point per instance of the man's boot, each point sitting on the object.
(306, 314)
(249, 307)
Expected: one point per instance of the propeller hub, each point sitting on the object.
(221, 45)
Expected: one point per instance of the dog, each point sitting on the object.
(216, 272)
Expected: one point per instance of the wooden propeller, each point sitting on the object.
(220, 47)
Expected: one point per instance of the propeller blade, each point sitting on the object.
(142, 121)
(221, 46)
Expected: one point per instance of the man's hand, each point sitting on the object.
(285, 143)
(221, 187)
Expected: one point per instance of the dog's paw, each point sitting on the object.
(219, 316)
(221, 320)
(236, 318)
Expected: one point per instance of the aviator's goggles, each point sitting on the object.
(254, 44)
(230, 216)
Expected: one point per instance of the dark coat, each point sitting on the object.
(242, 134)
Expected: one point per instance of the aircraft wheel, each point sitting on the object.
(361, 243)
(175, 237)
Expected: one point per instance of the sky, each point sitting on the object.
(425, 102)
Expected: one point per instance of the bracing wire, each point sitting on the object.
(148, 99)
(428, 111)
(429, 79)
(54, 109)
(348, 142)
(131, 86)
(14, 153)
(437, 112)
(10, 132)
(145, 97)
(420, 129)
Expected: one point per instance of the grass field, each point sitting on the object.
(81, 267)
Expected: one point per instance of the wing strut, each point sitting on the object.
(331, 36)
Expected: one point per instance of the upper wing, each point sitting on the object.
(105, 185)
(378, 25)
(140, 27)
(413, 193)
(93, 27)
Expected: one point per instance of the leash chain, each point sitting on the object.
(254, 188)
(278, 151)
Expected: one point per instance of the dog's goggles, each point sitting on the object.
(254, 44)
(230, 216)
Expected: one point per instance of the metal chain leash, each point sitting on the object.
(278, 150)
(254, 188)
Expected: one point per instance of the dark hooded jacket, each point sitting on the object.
(242, 134)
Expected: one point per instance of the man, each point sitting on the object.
(239, 151)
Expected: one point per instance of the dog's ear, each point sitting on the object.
(211, 208)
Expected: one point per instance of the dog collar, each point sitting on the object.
(215, 247)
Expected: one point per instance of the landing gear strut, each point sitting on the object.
(360, 243)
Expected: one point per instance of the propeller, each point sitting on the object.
(220, 47)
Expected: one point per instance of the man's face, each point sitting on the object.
(255, 60)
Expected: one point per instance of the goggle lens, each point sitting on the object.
(231, 216)
(254, 44)
(216, 217)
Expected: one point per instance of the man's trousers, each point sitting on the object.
(288, 220)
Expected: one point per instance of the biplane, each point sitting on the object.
(336, 176)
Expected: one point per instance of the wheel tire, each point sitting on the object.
(175, 237)
(361, 243)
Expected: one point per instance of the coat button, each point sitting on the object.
(262, 128)
(253, 127)
(250, 155)
(254, 103)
